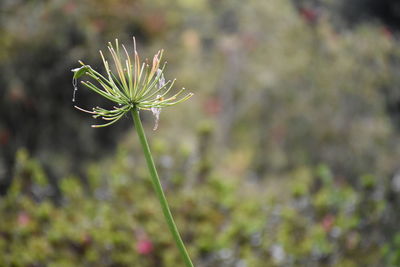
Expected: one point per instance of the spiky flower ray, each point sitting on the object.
(130, 84)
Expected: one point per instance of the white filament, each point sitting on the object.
(161, 80)
(156, 113)
(75, 84)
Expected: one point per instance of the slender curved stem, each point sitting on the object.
(158, 188)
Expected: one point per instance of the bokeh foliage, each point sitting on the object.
(286, 156)
(224, 220)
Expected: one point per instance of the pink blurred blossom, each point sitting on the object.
(212, 106)
(144, 246)
(23, 219)
(69, 7)
(309, 14)
(328, 222)
(387, 33)
(4, 137)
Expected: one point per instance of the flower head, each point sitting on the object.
(130, 84)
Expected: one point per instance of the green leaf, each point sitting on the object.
(79, 72)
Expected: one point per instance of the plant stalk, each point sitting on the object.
(158, 188)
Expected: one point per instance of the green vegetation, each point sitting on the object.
(287, 156)
(307, 219)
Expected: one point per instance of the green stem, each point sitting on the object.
(158, 188)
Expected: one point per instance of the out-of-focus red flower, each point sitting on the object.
(327, 222)
(144, 246)
(387, 33)
(155, 23)
(309, 14)
(250, 41)
(69, 7)
(212, 106)
(98, 25)
(23, 219)
(86, 239)
(4, 137)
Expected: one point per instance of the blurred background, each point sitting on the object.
(287, 155)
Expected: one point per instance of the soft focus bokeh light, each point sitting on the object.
(287, 155)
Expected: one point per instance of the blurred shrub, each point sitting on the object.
(115, 220)
(279, 90)
(293, 91)
(350, 13)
